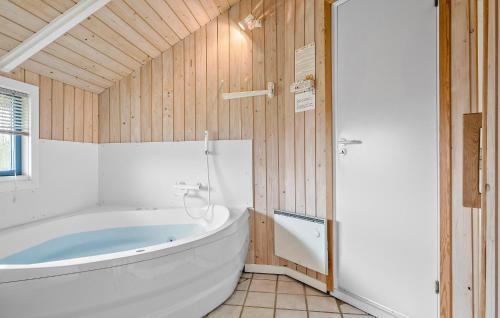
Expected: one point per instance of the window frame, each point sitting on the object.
(18, 169)
(27, 147)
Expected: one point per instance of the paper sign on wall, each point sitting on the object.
(305, 69)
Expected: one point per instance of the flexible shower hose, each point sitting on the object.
(209, 206)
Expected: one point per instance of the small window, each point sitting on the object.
(18, 135)
(14, 124)
(10, 155)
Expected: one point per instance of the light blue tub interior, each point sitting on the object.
(101, 242)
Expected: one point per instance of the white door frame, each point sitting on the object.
(362, 303)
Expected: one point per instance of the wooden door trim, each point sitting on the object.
(445, 185)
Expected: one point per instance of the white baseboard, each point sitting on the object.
(282, 270)
(366, 305)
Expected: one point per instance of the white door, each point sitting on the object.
(386, 155)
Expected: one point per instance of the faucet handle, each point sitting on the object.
(186, 187)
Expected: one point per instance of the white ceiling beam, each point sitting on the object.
(49, 33)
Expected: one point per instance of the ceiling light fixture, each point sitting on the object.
(250, 23)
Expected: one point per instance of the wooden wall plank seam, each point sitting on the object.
(462, 279)
(157, 99)
(223, 73)
(189, 88)
(235, 42)
(168, 95)
(259, 143)
(146, 102)
(179, 91)
(69, 112)
(201, 82)
(78, 127)
(272, 147)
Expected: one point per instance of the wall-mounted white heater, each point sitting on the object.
(269, 92)
(301, 239)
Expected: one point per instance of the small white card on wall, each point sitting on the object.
(305, 69)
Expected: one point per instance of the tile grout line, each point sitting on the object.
(246, 295)
(304, 287)
(338, 306)
(305, 297)
(276, 296)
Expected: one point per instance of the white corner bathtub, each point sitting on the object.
(118, 262)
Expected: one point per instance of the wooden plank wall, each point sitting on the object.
(177, 96)
(66, 112)
(467, 223)
(461, 216)
(491, 159)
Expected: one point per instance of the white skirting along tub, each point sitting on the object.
(92, 264)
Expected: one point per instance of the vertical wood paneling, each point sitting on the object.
(57, 120)
(135, 106)
(88, 117)
(246, 72)
(462, 217)
(290, 151)
(190, 88)
(125, 97)
(280, 58)
(322, 115)
(272, 148)
(32, 78)
(310, 126)
(179, 91)
(69, 112)
(157, 99)
(223, 73)
(103, 116)
(300, 186)
(325, 61)
(300, 200)
(212, 83)
(259, 144)
(95, 118)
(235, 39)
(114, 114)
(45, 112)
(17, 74)
(491, 160)
(289, 106)
(477, 243)
(168, 95)
(201, 82)
(309, 130)
(146, 102)
(57, 110)
(78, 127)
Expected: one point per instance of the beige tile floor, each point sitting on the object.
(278, 296)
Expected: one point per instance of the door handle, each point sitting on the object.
(342, 143)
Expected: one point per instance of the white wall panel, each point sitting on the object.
(143, 174)
(68, 182)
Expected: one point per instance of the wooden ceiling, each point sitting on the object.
(108, 45)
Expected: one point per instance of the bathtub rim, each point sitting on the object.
(102, 213)
(23, 272)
